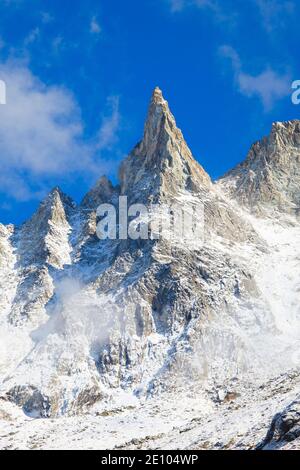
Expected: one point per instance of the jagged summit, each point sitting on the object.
(270, 175)
(44, 237)
(55, 190)
(157, 96)
(285, 133)
(56, 196)
(56, 206)
(102, 192)
(162, 164)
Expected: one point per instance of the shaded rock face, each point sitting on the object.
(284, 428)
(142, 316)
(31, 401)
(270, 176)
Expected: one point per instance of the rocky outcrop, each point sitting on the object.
(285, 428)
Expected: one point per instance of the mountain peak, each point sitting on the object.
(100, 193)
(159, 119)
(157, 96)
(162, 163)
(270, 175)
(45, 236)
(56, 196)
(285, 133)
(56, 190)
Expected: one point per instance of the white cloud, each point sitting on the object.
(42, 134)
(95, 27)
(269, 86)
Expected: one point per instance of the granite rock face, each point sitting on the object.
(89, 318)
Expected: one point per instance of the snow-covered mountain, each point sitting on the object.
(158, 332)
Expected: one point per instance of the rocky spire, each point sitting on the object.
(161, 164)
(159, 120)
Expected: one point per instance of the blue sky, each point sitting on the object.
(79, 75)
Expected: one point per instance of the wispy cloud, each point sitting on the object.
(176, 5)
(275, 13)
(107, 134)
(32, 36)
(95, 27)
(42, 134)
(46, 17)
(269, 85)
(179, 5)
(215, 7)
